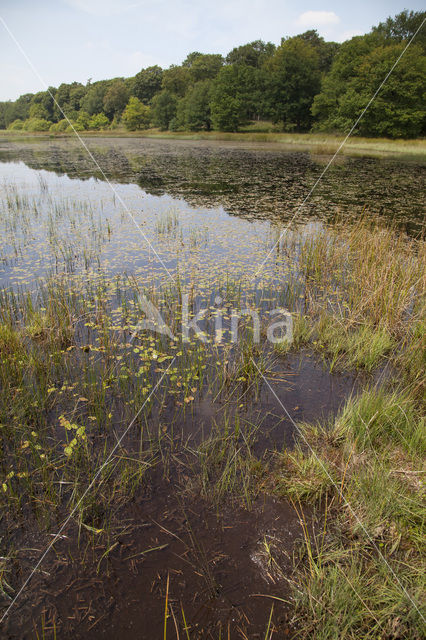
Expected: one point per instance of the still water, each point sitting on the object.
(180, 206)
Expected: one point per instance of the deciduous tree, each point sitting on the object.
(136, 115)
(176, 80)
(147, 83)
(115, 99)
(294, 80)
(164, 107)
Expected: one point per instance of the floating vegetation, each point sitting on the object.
(155, 411)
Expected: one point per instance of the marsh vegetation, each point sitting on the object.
(206, 488)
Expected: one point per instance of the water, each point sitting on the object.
(179, 205)
(248, 180)
(205, 215)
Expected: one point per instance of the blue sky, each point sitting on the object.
(70, 40)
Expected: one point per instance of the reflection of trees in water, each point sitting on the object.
(249, 182)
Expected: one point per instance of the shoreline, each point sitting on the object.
(317, 143)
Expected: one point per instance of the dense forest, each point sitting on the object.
(303, 84)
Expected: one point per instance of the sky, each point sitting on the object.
(46, 42)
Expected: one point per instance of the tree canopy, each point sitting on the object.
(305, 83)
(147, 83)
(359, 68)
(253, 54)
(293, 81)
(136, 115)
(115, 99)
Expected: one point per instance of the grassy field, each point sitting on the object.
(76, 370)
(317, 143)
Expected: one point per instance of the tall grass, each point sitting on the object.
(76, 367)
(364, 295)
(364, 574)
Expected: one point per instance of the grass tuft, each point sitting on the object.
(378, 419)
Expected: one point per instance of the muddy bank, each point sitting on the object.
(217, 568)
(224, 563)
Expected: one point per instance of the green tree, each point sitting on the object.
(176, 80)
(20, 109)
(190, 59)
(2, 114)
(136, 115)
(93, 101)
(42, 105)
(68, 98)
(325, 107)
(147, 83)
(253, 54)
(205, 66)
(397, 111)
(294, 80)
(403, 27)
(98, 121)
(115, 99)
(228, 110)
(61, 101)
(38, 111)
(194, 110)
(325, 50)
(252, 91)
(164, 107)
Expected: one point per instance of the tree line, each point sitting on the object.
(303, 84)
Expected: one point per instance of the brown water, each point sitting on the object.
(204, 208)
(213, 556)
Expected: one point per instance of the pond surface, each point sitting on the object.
(179, 205)
(144, 215)
(247, 179)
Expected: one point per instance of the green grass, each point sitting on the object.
(224, 464)
(362, 572)
(304, 477)
(412, 358)
(75, 369)
(363, 346)
(377, 419)
(363, 297)
(353, 595)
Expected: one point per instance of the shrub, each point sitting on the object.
(136, 115)
(59, 126)
(74, 126)
(16, 125)
(36, 124)
(99, 121)
(83, 120)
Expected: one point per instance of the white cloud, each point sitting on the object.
(314, 19)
